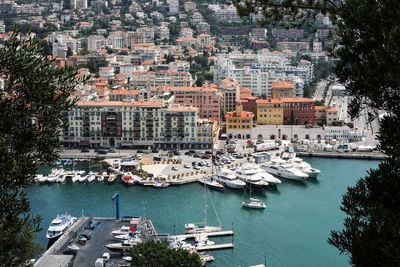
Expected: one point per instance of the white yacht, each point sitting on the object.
(59, 225)
(254, 203)
(211, 183)
(53, 176)
(61, 176)
(249, 174)
(91, 177)
(76, 176)
(124, 246)
(191, 228)
(83, 177)
(282, 169)
(228, 178)
(202, 241)
(123, 231)
(179, 243)
(41, 178)
(303, 166)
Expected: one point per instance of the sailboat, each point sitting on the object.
(210, 181)
(192, 228)
(253, 203)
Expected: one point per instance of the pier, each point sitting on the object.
(344, 155)
(211, 234)
(216, 246)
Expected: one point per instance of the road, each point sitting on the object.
(320, 90)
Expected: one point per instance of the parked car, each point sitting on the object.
(197, 155)
(139, 156)
(102, 151)
(112, 150)
(174, 168)
(201, 163)
(176, 152)
(194, 163)
(216, 157)
(187, 166)
(154, 150)
(220, 152)
(208, 152)
(217, 163)
(208, 164)
(196, 167)
(205, 156)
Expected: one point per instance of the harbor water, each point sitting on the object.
(292, 230)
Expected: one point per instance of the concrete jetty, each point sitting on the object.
(219, 233)
(344, 155)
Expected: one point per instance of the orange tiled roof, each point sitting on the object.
(294, 99)
(282, 85)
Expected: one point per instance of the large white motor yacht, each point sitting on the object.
(59, 225)
(249, 174)
(53, 176)
(284, 170)
(228, 178)
(191, 228)
(303, 166)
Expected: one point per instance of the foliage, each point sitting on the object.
(157, 254)
(319, 103)
(371, 232)
(369, 34)
(35, 95)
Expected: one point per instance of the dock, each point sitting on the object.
(344, 155)
(216, 246)
(220, 233)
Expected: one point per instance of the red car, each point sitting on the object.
(206, 156)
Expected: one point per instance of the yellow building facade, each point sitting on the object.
(239, 119)
(269, 111)
(282, 89)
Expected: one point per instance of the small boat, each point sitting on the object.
(111, 179)
(254, 203)
(202, 241)
(179, 243)
(91, 177)
(76, 177)
(61, 178)
(211, 183)
(123, 231)
(161, 185)
(53, 175)
(39, 178)
(191, 228)
(127, 179)
(100, 177)
(59, 225)
(124, 246)
(83, 178)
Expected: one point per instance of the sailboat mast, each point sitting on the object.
(212, 150)
(205, 205)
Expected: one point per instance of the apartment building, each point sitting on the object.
(229, 90)
(287, 33)
(239, 120)
(149, 79)
(133, 38)
(132, 124)
(282, 89)
(298, 111)
(293, 46)
(259, 71)
(326, 115)
(96, 42)
(269, 111)
(189, 6)
(206, 99)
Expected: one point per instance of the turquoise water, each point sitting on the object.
(291, 231)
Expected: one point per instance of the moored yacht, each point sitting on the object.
(83, 177)
(254, 203)
(284, 170)
(251, 176)
(91, 177)
(303, 166)
(211, 183)
(59, 225)
(191, 228)
(124, 246)
(53, 176)
(228, 178)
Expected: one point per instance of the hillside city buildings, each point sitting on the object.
(163, 73)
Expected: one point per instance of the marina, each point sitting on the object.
(291, 231)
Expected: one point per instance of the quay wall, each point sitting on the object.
(344, 155)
